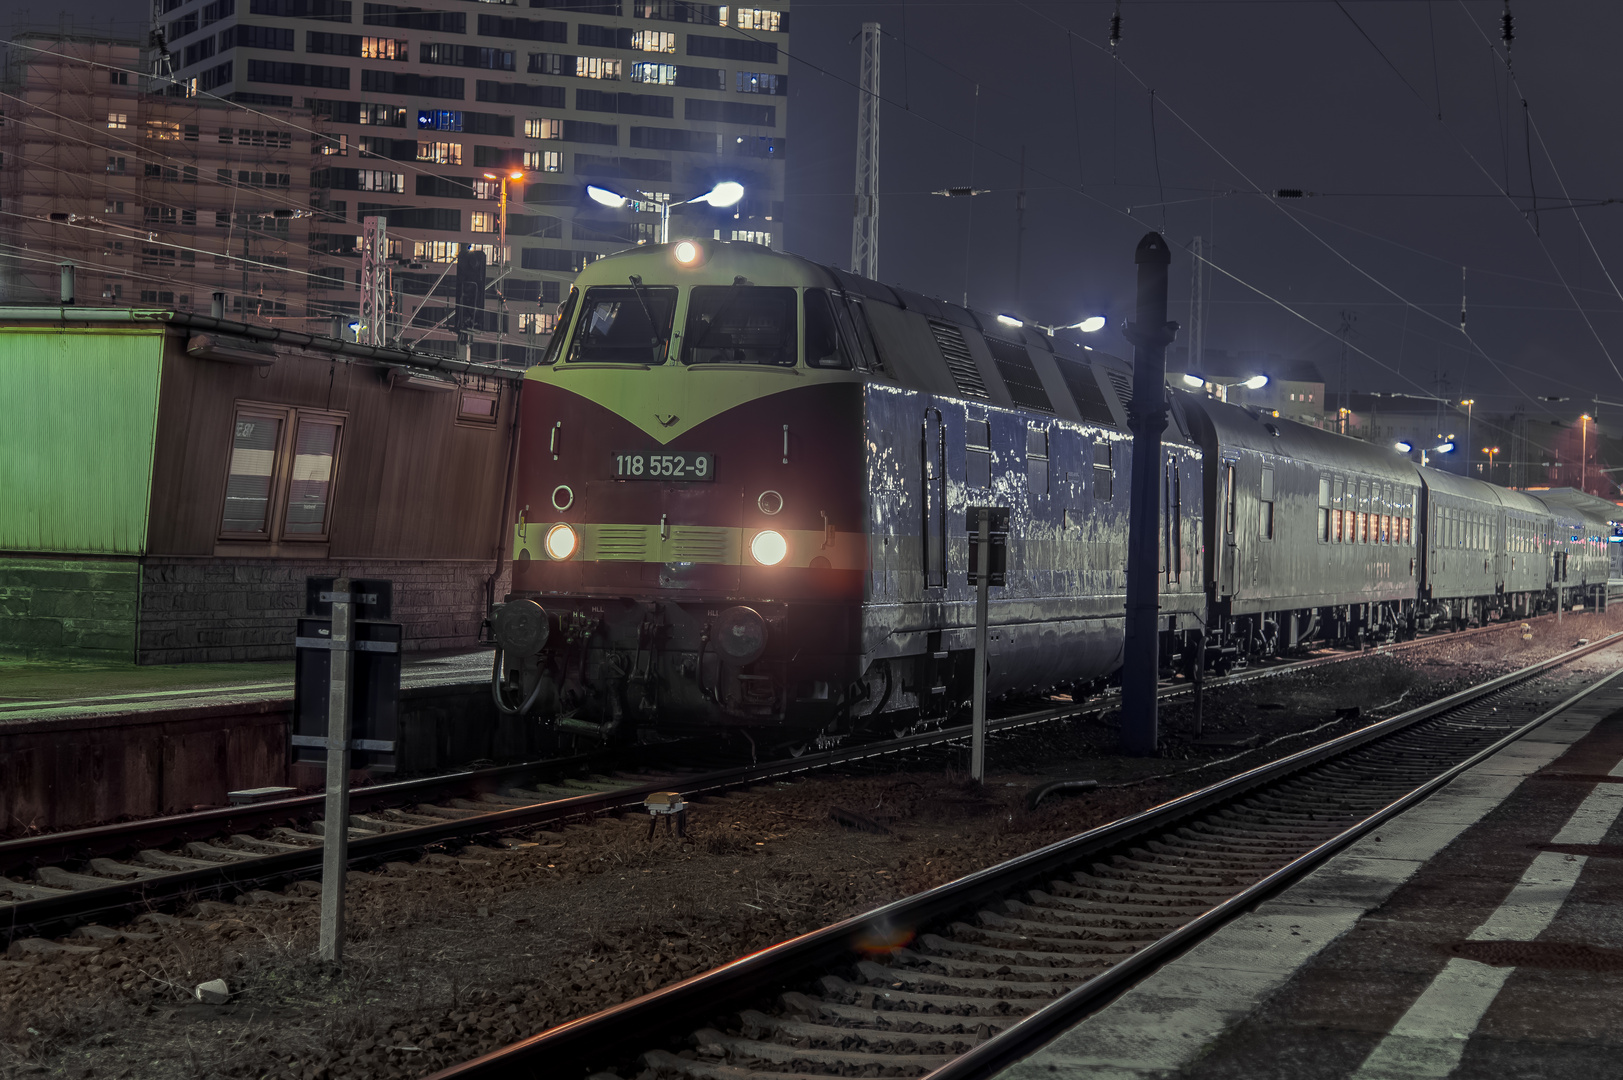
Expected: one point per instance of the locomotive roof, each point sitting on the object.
(1240, 428)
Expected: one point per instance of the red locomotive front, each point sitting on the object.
(689, 548)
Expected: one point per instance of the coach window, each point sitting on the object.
(280, 475)
(978, 453)
(740, 324)
(1361, 532)
(1104, 473)
(1037, 460)
(1324, 509)
(1265, 504)
(625, 324)
(825, 345)
(1338, 512)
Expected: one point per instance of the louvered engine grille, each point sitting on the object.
(1090, 400)
(695, 544)
(622, 543)
(1123, 384)
(1019, 375)
(965, 375)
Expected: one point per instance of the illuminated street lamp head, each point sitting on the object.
(1445, 448)
(1092, 324)
(604, 197)
(725, 194)
(490, 176)
(1255, 382)
(1191, 379)
(1010, 320)
(516, 174)
(1403, 447)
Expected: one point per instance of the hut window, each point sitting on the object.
(280, 474)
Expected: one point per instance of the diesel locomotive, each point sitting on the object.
(742, 485)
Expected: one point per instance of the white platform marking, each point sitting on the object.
(1430, 1039)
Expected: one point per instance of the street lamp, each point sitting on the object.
(1440, 448)
(1219, 386)
(1490, 451)
(501, 217)
(1468, 402)
(1583, 452)
(1090, 325)
(725, 194)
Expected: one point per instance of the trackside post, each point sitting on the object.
(335, 842)
(1150, 334)
(988, 529)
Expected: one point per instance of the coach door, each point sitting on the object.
(933, 473)
(1227, 510)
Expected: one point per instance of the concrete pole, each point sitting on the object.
(335, 844)
(983, 575)
(1150, 333)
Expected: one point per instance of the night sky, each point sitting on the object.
(1340, 100)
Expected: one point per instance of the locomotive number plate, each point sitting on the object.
(674, 465)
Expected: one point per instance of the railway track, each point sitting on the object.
(53, 882)
(963, 979)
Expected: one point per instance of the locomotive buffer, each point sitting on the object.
(988, 529)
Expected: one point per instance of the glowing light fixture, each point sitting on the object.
(687, 252)
(1010, 320)
(769, 547)
(1193, 380)
(1403, 447)
(561, 542)
(515, 175)
(727, 193)
(1092, 324)
(1255, 382)
(604, 197)
(1446, 448)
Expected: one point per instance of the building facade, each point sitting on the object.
(156, 200)
(424, 113)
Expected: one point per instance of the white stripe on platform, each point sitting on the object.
(1430, 1039)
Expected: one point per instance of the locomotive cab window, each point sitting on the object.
(560, 329)
(623, 324)
(740, 324)
(826, 346)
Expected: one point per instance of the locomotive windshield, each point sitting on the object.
(623, 324)
(740, 324)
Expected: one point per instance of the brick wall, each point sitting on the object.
(69, 607)
(204, 609)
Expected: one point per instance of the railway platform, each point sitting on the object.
(86, 743)
(1477, 935)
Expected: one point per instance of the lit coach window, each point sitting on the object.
(769, 547)
(561, 542)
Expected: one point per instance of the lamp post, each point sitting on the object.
(1468, 403)
(1090, 325)
(1440, 448)
(725, 194)
(1583, 452)
(1490, 451)
(501, 216)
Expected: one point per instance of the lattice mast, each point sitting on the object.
(374, 329)
(865, 219)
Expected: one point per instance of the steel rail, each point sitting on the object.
(666, 1012)
(59, 913)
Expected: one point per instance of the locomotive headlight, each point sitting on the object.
(687, 253)
(561, 542)
(769, 547)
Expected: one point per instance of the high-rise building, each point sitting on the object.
(425, 113)
(156, 200)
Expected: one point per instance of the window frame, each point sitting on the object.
(466, 419)
(279, 496)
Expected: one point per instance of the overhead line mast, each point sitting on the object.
(865, 218)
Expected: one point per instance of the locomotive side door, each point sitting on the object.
(933, 475)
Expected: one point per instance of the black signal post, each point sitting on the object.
(1150, 333)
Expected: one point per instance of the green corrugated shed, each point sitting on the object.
(76, 444)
